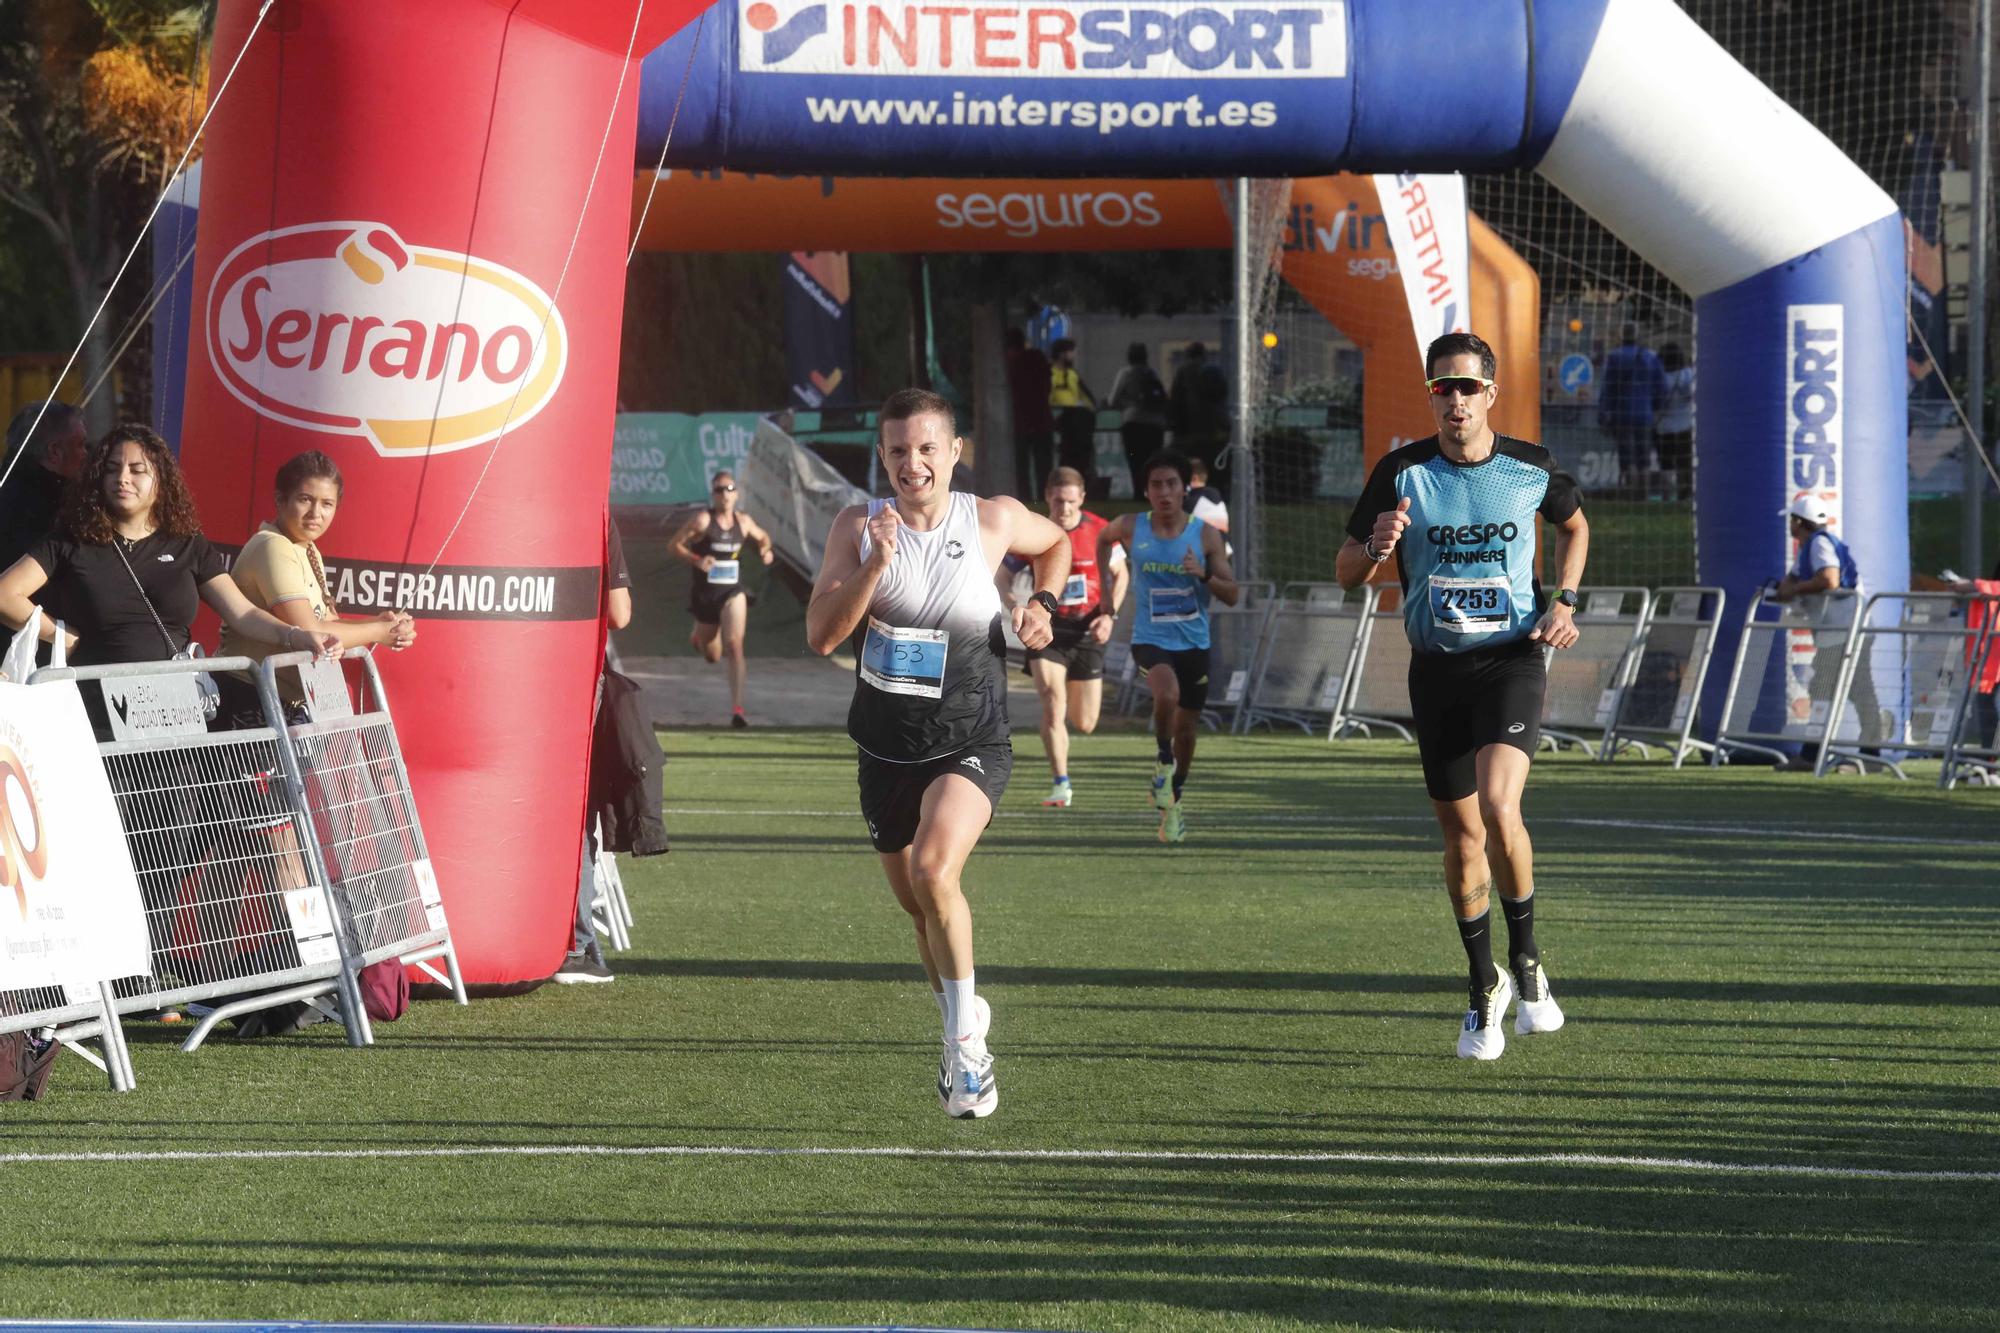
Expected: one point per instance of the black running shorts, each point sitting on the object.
(1072, 649)
(1463, 702)
(705, 604)
(892, 795)
(1190, 670)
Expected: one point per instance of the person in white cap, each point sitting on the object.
(1824, 565)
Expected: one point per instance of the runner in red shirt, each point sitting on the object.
(1069, 673)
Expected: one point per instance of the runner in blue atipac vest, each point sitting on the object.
(1458, 511)
(1178, 562)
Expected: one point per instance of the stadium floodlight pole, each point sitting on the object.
(1243, 523)
(1972, 546)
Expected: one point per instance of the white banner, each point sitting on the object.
(70, 910)
(1427, 228)
(795, 494)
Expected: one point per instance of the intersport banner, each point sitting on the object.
(1165, 87)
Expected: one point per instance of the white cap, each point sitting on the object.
(1812, 509)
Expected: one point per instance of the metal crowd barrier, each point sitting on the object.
(1585, 680)
(1235, 649)
(1661, 693)
(1928, 638)
(1330, 594)
(610, 910)
(242, 911)
(1974, 755)
(1789, 673)
(1378, 691)
(1310, 651)
(367, 841)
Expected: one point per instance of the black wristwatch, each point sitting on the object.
(1045, 599)
(1567, 596)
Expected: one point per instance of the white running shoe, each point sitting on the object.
(1540, 1013)
(982, 1020)
(1480, 1038)
(1163, 786)
(1058, 797)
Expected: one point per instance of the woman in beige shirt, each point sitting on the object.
(279, 570)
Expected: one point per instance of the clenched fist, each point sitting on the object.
(882, 531)
(1389, 527)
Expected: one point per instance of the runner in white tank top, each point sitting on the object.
(908, 585)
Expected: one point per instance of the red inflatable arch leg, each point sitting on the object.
(391, 194)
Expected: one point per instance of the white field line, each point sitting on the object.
(1165, 1157)
(1335, 820)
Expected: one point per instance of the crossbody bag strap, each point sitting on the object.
(126, 561)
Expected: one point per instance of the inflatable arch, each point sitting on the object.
(727, 211)
(410, 256)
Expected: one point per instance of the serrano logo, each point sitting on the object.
(987, 38)
(24, 852)
(344, 328)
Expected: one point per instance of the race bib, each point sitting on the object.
(1076, 591)
(1471, 606)
(724, 572)
(1173, 606)
(904, 661)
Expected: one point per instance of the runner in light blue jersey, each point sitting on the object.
(1458, 512)
(1178, 563)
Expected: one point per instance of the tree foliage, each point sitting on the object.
(97, 101)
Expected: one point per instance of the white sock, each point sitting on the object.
(957, 1007)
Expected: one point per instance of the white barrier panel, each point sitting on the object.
(1789, 675)
(1661, 694)
(1309, 657)
(1585, 680)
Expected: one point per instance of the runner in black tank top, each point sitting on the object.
(713, 542)
(907, 583)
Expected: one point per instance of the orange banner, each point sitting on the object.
(729, 211)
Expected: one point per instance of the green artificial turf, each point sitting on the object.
(1759, 969)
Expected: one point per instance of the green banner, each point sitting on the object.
(667, 458)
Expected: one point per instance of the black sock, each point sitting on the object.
(1522, 955)
(1520, 913)
(1180, 780)
(1166, 750)
(1477, 937)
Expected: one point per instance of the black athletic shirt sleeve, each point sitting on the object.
(1564, 498)
(1378, 495)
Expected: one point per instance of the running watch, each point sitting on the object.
(1567, 596)
(1045, 599)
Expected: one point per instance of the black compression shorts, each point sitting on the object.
(1190, 670)
(1463, 702)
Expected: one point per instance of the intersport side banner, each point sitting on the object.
(1426, 218)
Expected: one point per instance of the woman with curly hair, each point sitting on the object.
(129, 565)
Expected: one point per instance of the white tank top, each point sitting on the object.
(929, 657)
